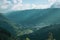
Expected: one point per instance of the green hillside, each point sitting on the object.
(35, 24)
(48, 32)
(35, 17)
(7, 31)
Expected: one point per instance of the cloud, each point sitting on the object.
(18, 5)
(21, 6)
(30, 6)
(17, 1)
(6, 4)
(52, 1)
(40, 6)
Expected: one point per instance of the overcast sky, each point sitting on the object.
(8, 5)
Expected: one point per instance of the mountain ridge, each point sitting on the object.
(35, 16)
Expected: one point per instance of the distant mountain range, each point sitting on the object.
(35, 24)
(35, 17)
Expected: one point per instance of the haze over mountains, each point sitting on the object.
(36, 21)
(34, 24)
(35, 17)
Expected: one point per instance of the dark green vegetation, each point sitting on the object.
(6, 29)
(33, 24)
(4, 23)
(5, 35)
(43, 33)
(10, 30)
